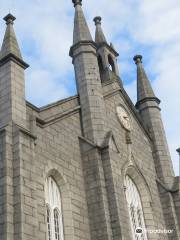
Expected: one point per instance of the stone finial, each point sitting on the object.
(97, 20)
(9, 19)
(99, 36)
(137, 59)
(77, 2)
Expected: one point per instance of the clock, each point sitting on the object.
(123, 117)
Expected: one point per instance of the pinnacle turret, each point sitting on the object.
(144, 88)
(99, 35)
(149, 110)
(12, 78)
(10, 49)
(10, 44)
(81, 30)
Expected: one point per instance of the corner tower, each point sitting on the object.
(12, 118)
(148, 106)
(88, 80)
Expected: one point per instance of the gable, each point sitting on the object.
(116, 96)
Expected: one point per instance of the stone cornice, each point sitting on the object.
(51, 105)
(26, 132)
(148, 99)
(104, 44)
(79, 44)
(46, 122)
(173, 189)
(15, 59)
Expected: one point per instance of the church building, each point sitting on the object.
(93, 166)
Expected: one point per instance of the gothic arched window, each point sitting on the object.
(53, 211)
(135, 209)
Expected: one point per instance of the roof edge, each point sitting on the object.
(59, 102)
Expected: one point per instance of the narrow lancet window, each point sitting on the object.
(53, 211)
(135, 210)
(111, 64)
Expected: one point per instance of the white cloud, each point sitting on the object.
(44, 30)
(158, 21)
(40, 82)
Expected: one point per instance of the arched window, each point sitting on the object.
(111, 63)
(135, 209)
(53, 211)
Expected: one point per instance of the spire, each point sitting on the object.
(144, 88)
(99, 36)
(81, 30)
(10, 44)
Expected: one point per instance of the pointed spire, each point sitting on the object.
(10, 49)
(144, 88)
(99, 36)
(81, 30)
(10, 44)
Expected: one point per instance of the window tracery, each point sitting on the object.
(53, 210)
(135, 209)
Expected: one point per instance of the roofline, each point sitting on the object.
(122, 90)
(46, 107)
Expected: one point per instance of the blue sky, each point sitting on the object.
(149, 27)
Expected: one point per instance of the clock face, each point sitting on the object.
(124, 118)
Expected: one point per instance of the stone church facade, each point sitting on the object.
(89, 167)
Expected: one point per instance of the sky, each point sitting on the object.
(44, 30)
